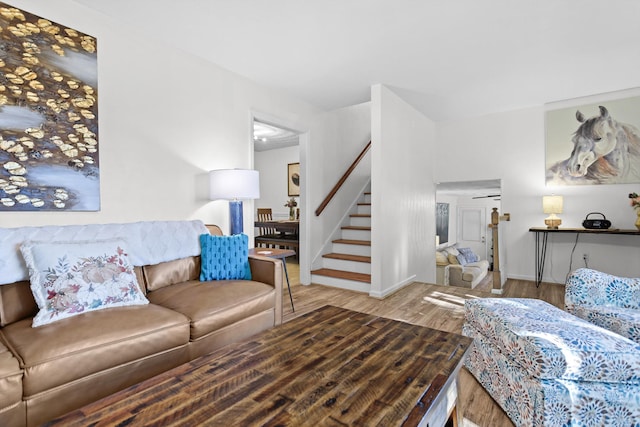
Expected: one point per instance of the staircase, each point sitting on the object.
(348, 265)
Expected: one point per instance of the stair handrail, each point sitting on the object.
(342, 180)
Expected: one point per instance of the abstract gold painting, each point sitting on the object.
(49, 152)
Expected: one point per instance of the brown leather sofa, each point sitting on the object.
(52, 369)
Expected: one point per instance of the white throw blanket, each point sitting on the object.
(148, 242)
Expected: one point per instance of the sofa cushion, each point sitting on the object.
(597, 289)
(550, 343)
(213, 305)
(224, 257)
(451, 250)
(623, 321)
(441, 258)
(16, 302)
(470, 274)
(68, 278)
(73, 348)
(171, 272)
(482, 264)
(10, 378)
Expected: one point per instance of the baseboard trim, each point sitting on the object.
(532, 279)
(397, 287)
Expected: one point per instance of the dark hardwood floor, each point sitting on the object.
(433, 306)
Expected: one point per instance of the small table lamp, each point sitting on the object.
(234, 185)
(552, 205)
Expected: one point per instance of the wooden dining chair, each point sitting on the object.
(265, 214)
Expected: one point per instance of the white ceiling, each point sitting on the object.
(269, 137)
(448, 58)
(481, 188)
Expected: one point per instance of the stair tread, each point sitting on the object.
(353, 242)
(356, 227)
(360, 215)
(364, 204)
(339, 274)
(348, 257)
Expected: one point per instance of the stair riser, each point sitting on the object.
(342, 248)
(356, 234)
(340, 283)
(364, 210)
(360, 222)
(367, 198)
(345, 265)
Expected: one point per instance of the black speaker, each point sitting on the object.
(596, 224)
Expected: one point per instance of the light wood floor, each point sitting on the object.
(433, 306)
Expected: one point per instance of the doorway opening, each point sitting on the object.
(276, 154)
(463, 214)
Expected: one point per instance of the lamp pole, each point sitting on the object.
(235, 215)
(234, 185)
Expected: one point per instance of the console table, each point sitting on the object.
(542, 233)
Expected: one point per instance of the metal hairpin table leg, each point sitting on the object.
(281, 254)
(286, 274)
(541, 254)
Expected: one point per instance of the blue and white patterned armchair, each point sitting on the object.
(605, 300)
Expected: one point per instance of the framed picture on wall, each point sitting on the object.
(595, 142)
(293, 179)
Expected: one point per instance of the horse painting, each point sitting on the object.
(604, 152)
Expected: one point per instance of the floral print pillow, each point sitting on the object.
(69, 278)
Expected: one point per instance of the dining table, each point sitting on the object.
(286, 234)
(281, 226)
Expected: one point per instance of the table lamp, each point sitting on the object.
(234, 185)
(552, 205)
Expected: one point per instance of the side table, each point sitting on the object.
(279, 254)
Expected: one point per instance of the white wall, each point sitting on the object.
(166, 118)
(403, 194)
(272, 165)
(511, 146)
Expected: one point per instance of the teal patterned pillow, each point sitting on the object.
(224, 257)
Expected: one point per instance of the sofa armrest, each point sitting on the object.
(269, 271)
(586, 287)
(455, 274)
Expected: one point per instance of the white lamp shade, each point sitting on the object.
(234, 184)
(552, 204)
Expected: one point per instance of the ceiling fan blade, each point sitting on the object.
(486, 197)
